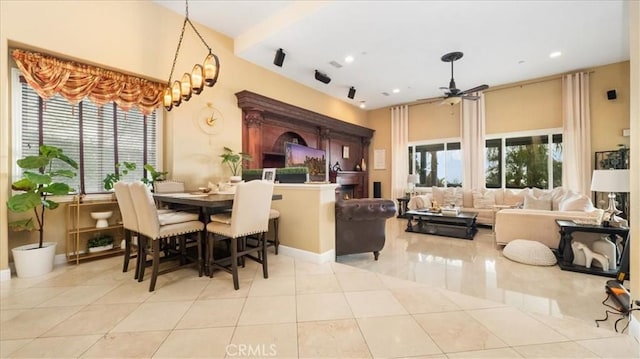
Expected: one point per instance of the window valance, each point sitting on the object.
(74, 81)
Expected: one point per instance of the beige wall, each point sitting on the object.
(634, 93)
(380, 121)
(143, 43)
(530, 105)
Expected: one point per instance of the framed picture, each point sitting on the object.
(269, 174)
(345, 151)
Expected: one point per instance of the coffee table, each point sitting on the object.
(461, 226)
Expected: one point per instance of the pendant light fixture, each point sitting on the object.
(194, 82)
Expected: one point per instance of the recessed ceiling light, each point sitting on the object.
(348, 59)
(396, 90)
(363, 104)
(555, 54)
(520, 62)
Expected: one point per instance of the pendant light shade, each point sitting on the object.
(166, 99)
(211, 67)
(176, 95)
(185, 86)
(196, 79)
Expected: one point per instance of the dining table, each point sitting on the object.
(207, 203)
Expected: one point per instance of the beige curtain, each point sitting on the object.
(74, 81)
(472, 125)
(399, 151)
(576, 133)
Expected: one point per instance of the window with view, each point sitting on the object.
(95, 137)
(524, 161)
(438, 164)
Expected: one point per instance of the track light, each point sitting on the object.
(279, 59)
(322, 77)
(352, 93)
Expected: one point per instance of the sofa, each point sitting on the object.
(360, 225)
(528, 213)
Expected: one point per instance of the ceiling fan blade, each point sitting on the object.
(475, 89)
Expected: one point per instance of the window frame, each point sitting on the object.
(411, 146)
(16, 143)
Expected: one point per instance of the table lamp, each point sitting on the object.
(611, 181)
(412, 180)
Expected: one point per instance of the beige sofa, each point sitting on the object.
(519, 214)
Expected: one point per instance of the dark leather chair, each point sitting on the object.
(360, 225)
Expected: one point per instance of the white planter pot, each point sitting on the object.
(32, 261)
(235, 179)
(101, 248)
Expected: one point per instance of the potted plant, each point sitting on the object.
(292, 174)
(36, 187)
(234, 161)
(112, 178)
(100, 243)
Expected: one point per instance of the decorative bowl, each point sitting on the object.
(102, 218)
(204, 189)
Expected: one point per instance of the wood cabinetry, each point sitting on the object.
(267, 124)
(81, 227)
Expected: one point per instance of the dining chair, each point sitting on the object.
(158, 229)
(129, 221)
(274, 217)
(249, 215)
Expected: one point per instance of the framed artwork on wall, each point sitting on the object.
(345, 151)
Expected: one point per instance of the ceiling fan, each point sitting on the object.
(453, 95)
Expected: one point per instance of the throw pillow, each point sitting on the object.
(513, 198)
(419, 202)
(576, 202)
(452, 195)
(531, 202)
(484, 199)
(557, 195)
(438, 195)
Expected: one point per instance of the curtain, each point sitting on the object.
(472, 126)
(399, 150)
(74, 81)
(576, 133)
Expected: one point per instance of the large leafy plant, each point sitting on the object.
(122, 169)
(234, 160)
(38, 182)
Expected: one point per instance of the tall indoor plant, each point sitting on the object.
(38, 182)
(234, 161)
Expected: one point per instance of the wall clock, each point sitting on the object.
(210, 120)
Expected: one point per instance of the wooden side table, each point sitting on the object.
(565, 252)
(403, 202)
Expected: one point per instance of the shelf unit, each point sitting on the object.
(80, 228)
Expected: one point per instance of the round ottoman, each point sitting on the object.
(529, 252)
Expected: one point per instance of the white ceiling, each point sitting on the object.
(398, 44)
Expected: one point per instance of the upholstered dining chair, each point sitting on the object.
(249, 216)
(151, 228)
(129, 221)
(274, 217)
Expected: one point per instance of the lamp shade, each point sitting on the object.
(610, 181)
(413, 179)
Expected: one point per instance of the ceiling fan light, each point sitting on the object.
(454, 100)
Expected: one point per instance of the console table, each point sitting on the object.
(565, 252)
(461, 226)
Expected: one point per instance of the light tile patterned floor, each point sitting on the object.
(303, 310)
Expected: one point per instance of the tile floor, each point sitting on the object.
(356, 309)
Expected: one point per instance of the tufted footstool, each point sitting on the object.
(529, 252)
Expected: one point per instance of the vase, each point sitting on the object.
(363, 165)
(31, 261)
(235, 179)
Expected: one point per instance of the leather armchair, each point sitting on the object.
(360, 225)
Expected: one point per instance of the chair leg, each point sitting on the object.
(234, 263)
(127, 250)
(276, 238)
(142, 256)
(210, 254)
(156, 264)
(376, 254)
(200, 242)
(265, 273)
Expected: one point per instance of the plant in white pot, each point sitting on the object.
(234, 161)
(35, 187)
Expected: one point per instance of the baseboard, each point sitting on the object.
(60, 259)
(328, 256)
(634, 328)
(5, 274)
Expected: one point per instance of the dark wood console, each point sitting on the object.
(267, 124)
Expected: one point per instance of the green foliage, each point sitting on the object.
(234, 160)
(292, 170)
(155, 175)
(36, 186)
(99, 241)
(112, 178)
